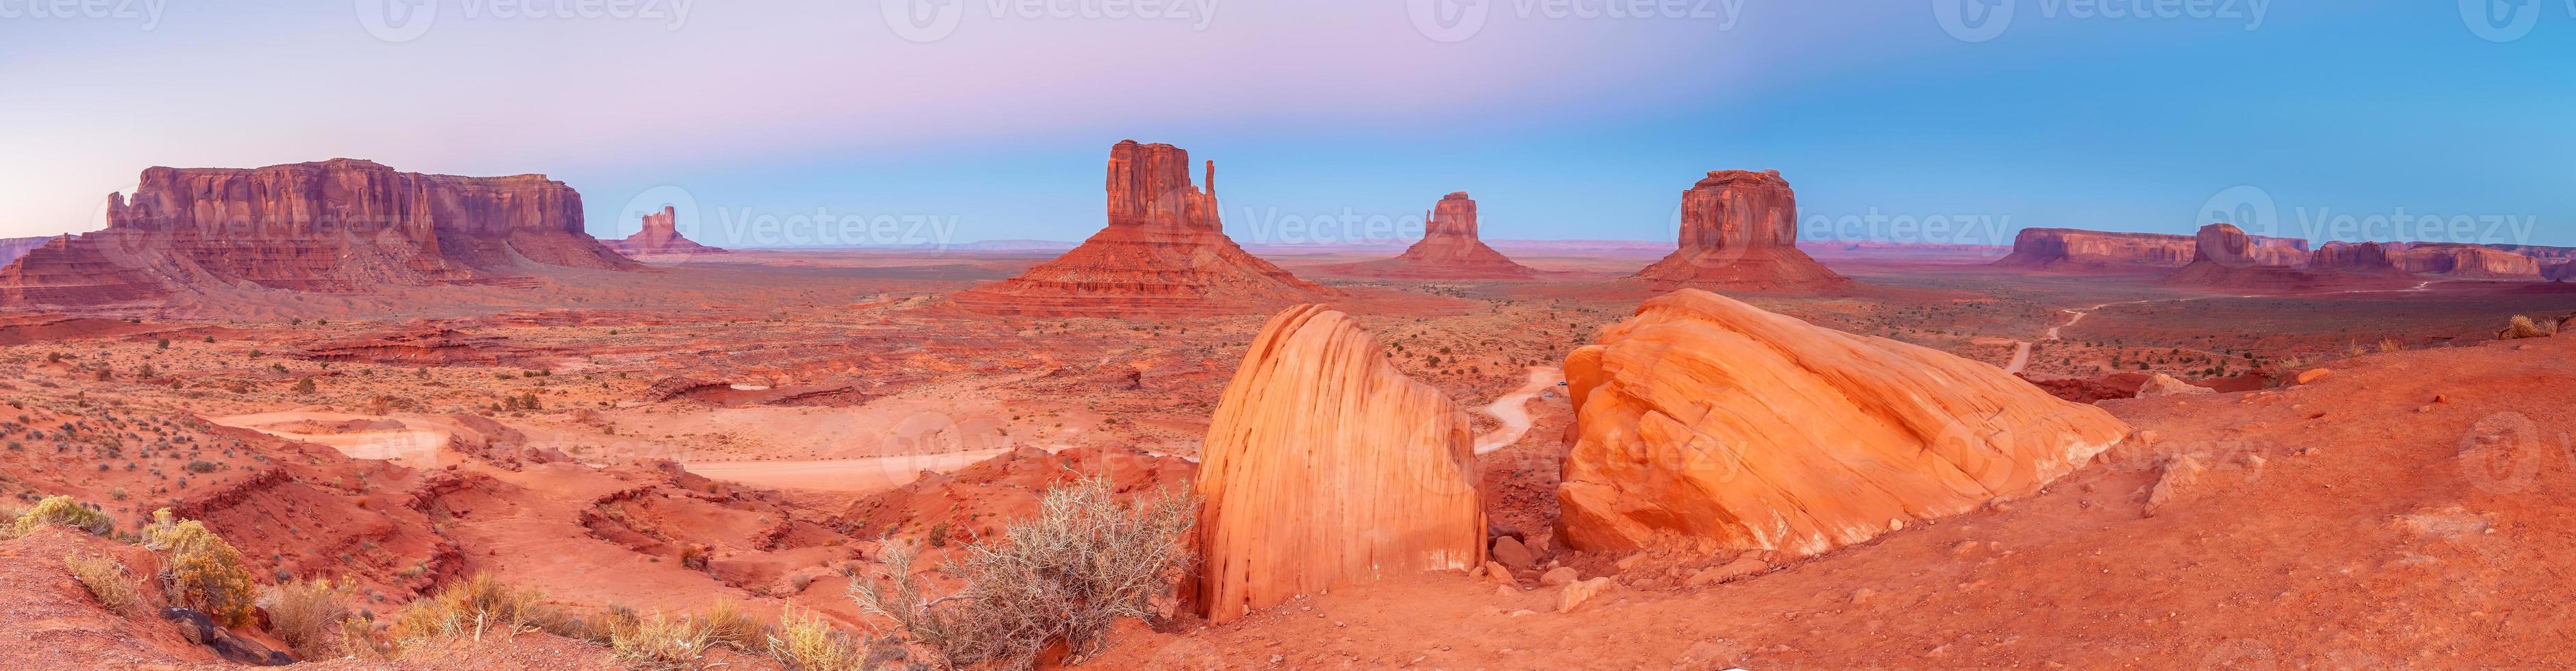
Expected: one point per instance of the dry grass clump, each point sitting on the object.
(312, 616)
(62, 511)
(658, 643)
(728, 626)
(106, 579)
(200, 570)
(807, 642)
(1084, 562)
(2522, 327)
(471, 608)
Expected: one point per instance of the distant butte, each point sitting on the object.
(1450, 248)
(1164, 252)
(341, 225)
(661, 237)
(1739, 231)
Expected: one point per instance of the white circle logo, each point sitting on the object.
(923, 21)
(1448, 20)
(397, 21)
(2500, 20)
(2250, 208)
(1973, 20)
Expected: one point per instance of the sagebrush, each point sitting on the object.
(62, 511)
(107, 579)
(1067, 575)
(311, 616)
(200, 570)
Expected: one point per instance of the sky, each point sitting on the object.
(784, 122)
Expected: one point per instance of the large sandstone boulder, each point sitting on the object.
(341, 225)
(1739, 230)
(1324, 466)
(1164, 252)
(1711, 418)
(1450, 248)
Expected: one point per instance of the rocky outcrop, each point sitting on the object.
(2076, 249)
(661, 237)
(2353, 257)
(1710, 418)
(2467, 261)
(1325, 466)
(339, 226)
(1739, 231)
(1163, 252)
(2560, 271)
(1450, 248)
(2225, 257)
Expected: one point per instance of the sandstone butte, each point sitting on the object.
(1739, 230)
(341, 225)
(661, 236)
(1450, 248)
(1325, 466)
(2465, 261)
(2224, 257)
(2076, 249)
(1163, 252)
(1712, 419)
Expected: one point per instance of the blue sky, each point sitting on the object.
(1331, 121)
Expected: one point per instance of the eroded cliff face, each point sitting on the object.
(2350, 257)
(1163, 252)
(661, 237)
(340, 225)
(2076, 249)
(12, 248)
(1710, 418)
(1739, 230)
(2466, 261)
(1324, 466)
(1450, 248)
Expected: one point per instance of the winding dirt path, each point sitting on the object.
(1513, 409)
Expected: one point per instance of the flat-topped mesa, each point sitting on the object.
(2077, 249)
(1712, 419)
(661, 237)
(1449, 249)
(2466, 261)
(341, 225)
(1739, 231)
(1324, 466)
(1164, 251)
(2353, 257)
(2228, 258)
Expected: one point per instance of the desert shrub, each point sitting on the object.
(310, 616)
(2522, 327)
(106, 579)
(304, 386)
(806, 642)
(659, 643)
(200, 570)
(62, 511)
(1083, 562)
(728, 626)
(469, 608)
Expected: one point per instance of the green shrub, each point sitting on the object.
(63, 511)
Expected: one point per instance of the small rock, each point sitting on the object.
(1523, 611)
(1558, 576)
(1863, 595)
(1575, 594)
(1732, 570)
(1630, 561)
(1505, 591)
(2312, 375)
(1497, 573)
(1512, 554)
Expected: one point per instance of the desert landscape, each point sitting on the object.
(363, 414)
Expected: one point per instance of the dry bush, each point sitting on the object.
(1084, 562)
(2521, 327)
(106, 579)
(472, 608)
(63, 511)
(311, 616)
(200, 570)
(728, 626)
(806, 642)
(659, 643)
